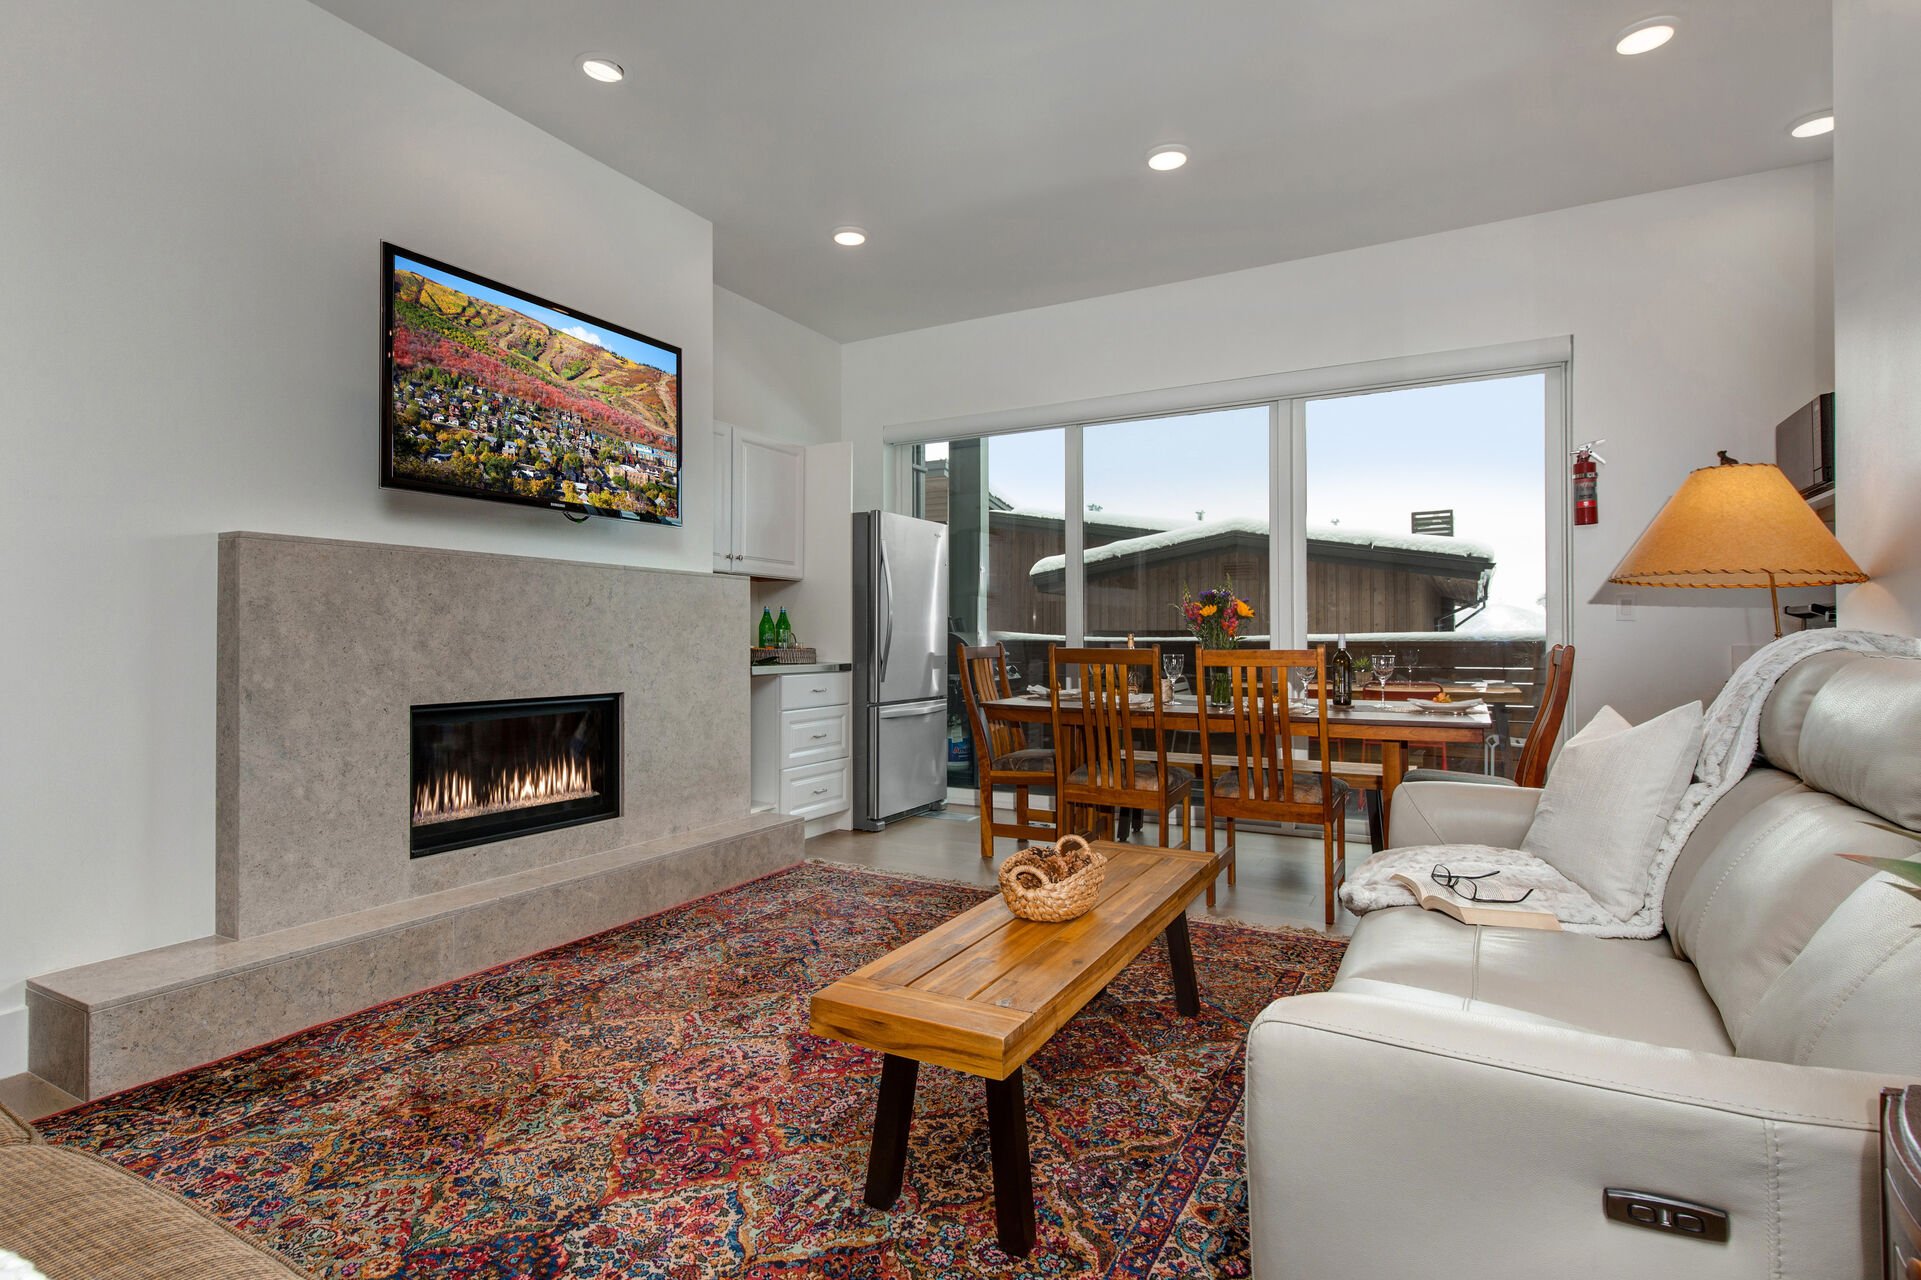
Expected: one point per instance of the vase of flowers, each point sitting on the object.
(1214, 619)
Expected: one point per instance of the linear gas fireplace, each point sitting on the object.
(485, 771)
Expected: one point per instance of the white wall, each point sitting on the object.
(820, 606)
(193, 205)
(774, 376)
(1700, 318)
(1877, 307)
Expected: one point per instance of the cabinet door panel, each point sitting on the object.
(812, 735)
(769, 507)
(816, 689)
(814, 790)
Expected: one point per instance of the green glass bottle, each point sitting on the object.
(783, 631)
(1341, 675)
(766, 628)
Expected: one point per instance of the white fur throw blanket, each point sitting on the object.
(1730, 736)
(15, 1267)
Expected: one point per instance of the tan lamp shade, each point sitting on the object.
(1737, 525)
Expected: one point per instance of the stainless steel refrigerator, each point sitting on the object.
(900, 667)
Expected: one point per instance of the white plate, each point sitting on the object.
(1459, 706)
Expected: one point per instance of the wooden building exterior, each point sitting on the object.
(1355, 583)
(1359, 583)
(1395, 591)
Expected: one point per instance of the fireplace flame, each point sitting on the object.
(455, 794)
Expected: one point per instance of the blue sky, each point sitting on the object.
(1477, 448)
(1474, 447)
(619, 344)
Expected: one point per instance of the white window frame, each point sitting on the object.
(1286, 396)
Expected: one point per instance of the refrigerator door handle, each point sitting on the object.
(886, 609)
(904, 709)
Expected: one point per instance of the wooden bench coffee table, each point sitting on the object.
(984, 991)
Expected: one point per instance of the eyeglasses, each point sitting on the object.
(1469, 886)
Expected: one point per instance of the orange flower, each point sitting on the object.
(1243, 608)
(1209, 610)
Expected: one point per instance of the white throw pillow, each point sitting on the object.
(1608, 800)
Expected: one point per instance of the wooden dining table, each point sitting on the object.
(1499, 698)
(1395, 727)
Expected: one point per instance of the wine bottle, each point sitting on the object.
(783, 632)
(766, 627)
(1341, 676)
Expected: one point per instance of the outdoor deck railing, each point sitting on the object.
(1440, 656)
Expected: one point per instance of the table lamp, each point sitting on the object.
(1737, 525)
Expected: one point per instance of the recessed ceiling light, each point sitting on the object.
(1167, 158)
(1644, 36)
(849, 237)
(1813, 126)
(605, 70)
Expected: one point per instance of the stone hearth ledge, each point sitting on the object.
(100, 1028)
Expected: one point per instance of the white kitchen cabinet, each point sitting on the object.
(814, 791)
(723, 499)
(760, 505)
(802, 744)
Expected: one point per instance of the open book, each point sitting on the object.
(1447, 902)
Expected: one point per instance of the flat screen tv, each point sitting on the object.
(494, 393)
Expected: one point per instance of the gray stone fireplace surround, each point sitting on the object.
(324, 647)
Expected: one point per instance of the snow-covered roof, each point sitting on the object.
(1179, 534)
(1505, 619)
(1431, 543)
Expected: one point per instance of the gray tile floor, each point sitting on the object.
(1279, 875)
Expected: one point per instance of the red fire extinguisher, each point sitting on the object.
(1587, 508)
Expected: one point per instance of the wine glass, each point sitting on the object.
(1171, 668)
(1298, 679)
(1383, 668)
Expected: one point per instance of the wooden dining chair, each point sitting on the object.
(1537, 749)
(1280, 771)
(1002, 757)
(1099, 762)
(1365, 776)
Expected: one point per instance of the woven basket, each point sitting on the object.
(1053, 884)
(798, 656)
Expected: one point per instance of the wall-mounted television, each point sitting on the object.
(492, 392)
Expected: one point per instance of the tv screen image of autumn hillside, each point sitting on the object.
(497, 394)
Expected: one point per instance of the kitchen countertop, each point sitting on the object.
(797, 668)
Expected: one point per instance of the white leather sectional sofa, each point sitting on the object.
(1461, 1100)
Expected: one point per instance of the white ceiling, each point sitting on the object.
(995, 150)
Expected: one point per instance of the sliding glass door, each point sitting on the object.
(1426, 532)
(1001, 500)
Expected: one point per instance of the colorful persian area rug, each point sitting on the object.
(649, 1103)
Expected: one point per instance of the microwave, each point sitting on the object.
(1804, 446)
